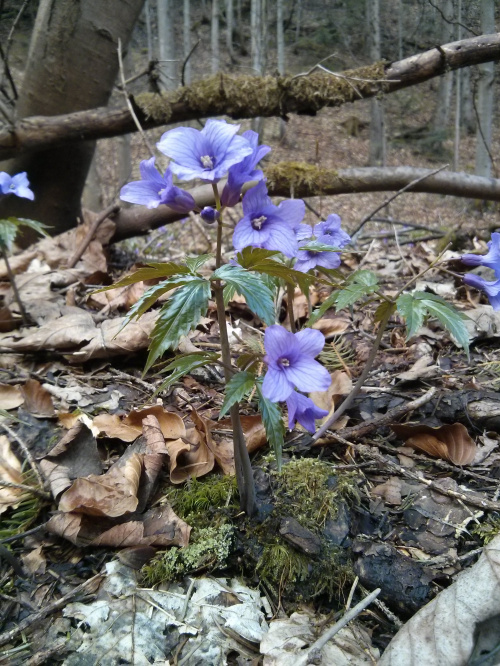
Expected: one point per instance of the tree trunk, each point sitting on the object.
(442, 112)
(149, 32)
(186, 41)
(377, 120)
(72, 65)
(458, 96)
(468, 113)
(280, 47)
(166, 44)
(214, 37)
(485, 97)
(229, 28)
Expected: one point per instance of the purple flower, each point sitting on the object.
(327, 232)
(491, 259)
(307, 259)
(155, 189)
(491, 289)
(209, 215)
(303, 410)
(267, 226)
(290, 362)
(18, 185)
(205, 154)
(244, 171)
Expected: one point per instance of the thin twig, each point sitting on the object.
(29, 489)
(186, 59)
(26, 452)
(333, 630)
(368, 217)
(290, 293)
(129, 103)
(108, 212)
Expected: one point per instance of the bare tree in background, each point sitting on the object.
(214, 37)
(166, 44)
(485, 97)
(442, 111)
(280, 48)
(229, 27)
(377, 121)
(186, 40)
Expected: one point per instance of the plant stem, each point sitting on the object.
(12, 279)
(290, 293)
(361, 380)
(243, 466)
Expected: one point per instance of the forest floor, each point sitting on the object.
(409, 510)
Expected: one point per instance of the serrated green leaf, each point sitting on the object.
(150, 296)
(193, 263)
(360, 284)
(423, 303)
(39, 227)
(228, 292)
(273, 423)
(319, 312)
(413, 312)
(236, 389)
(149, 272)
(180, 314)
(250, 256)
(8, 233)
(315, 246)
(183, 364)
(257, 295)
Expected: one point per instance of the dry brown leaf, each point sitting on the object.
(10, 396)
(189, 457)
(37, 400)
(158, 527)
(450, 442)
(341, 385)
(112, 425)
(255, 438)
(442, 633)
(390, 491)
(171, 424)
(120, 298)
(112, 494)
(10, 471)
(74, 455)
(34, 561)
(67, 419)
(332, 326)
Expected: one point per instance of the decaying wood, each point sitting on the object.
(247, 97)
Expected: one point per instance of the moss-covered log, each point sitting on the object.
(248, 97)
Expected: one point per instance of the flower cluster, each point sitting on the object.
(18, 185)
(217, 152)
(489, 260)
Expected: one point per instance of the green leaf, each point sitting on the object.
(319, 312)
(273, 423)
(237, 387)
(360, 284)
(257, 295)
(251, 256)
(264, 261)
(183, 364)
(150, 296)
(383, 309)
(149, 272)
(180, 314)
(193, 263)
(315, 246)
(414, 307)
(8, 233)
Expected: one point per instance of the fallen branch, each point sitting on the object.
(306, 180)
(247, 97)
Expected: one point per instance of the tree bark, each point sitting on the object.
(485, 97)
(214, 37)
(166, 44)
(306, 180)
(186, 40)
(442, 112)
(72, 65)
(246, 97)
(377, 122)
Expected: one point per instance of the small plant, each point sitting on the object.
(274, 250)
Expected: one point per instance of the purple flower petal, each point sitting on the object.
(311, 341)
(308, 375)
(276, 386)
(256, 198)
(491, 259)
(308, 259)
(491, 289)
(18, 185)
(292, 211)
(303, 410)
(277, 341)
(141, 192)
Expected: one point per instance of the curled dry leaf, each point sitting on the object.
(255, 438)
(189, 456)
(341, 385)
(442, 632)
(10, 472)
(37, 400)
(130, 427)
(450, 442)
(158, 527)
(111, 494)
(332, 326)
(10, 396)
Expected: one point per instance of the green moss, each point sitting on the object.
(193, 500)
(209, 549)
(488, 529)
